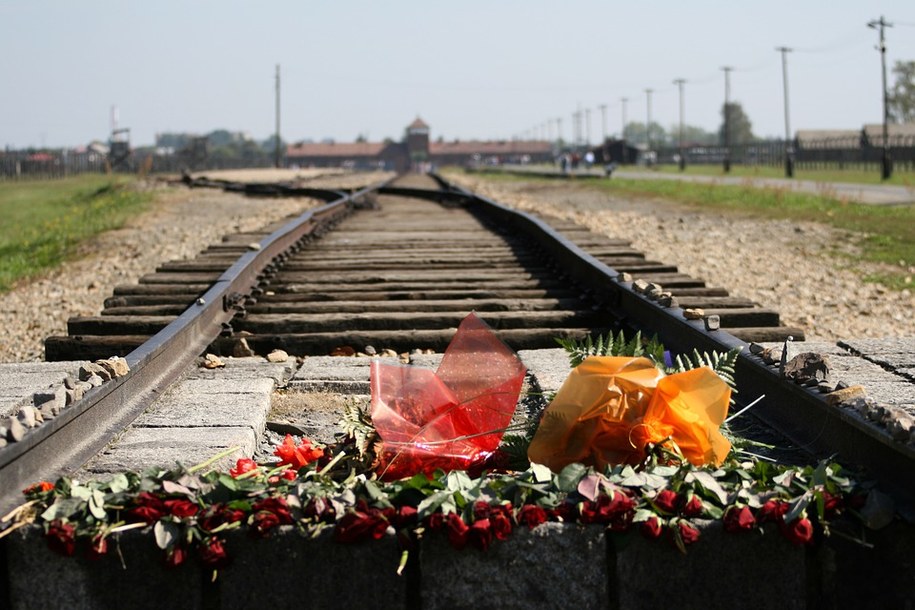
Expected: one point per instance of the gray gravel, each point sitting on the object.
(806, 271)
(178, 225)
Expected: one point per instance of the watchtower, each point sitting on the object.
(418, 141)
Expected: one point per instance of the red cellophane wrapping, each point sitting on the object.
(452, 418)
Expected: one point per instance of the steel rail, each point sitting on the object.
(65, 443)
(801, 414)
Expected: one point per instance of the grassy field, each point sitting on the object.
(855, 176)
(887, 232)
(45, 221)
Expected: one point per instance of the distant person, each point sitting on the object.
(589, 159)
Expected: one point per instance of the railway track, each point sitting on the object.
(397, 265)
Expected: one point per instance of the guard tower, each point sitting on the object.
(418, 142)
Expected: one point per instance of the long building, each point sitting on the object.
(416, 149)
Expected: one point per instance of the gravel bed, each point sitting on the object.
(179, 224)
(806, 271)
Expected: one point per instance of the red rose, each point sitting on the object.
(531, 515)
(356, 526)
(97, 548)
(480, 534)
(149, 508)
(242, 466)
(564, 513)
(435, 521)
(832, 504)
(39, 487)
(289, 475)
(262, 522)
(405, 515)
(739, 519)
(500, 525)
(320, 509)
(277, 506)
(481, 510)
(457, 530)
(61, 537)
(667, 500)
(213, 554)
(772, 511)
(799, 531)
(651, 528)
(693, 508)
(181, 508)
(297, 457)
(175, 556)
(688, 533)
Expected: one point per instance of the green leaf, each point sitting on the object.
(798, 506)
(81, 492)
(97, 504)
(541, 473)
(118, 483)
(166, 534)
(709, 484)
(568, 479)
(589, 486)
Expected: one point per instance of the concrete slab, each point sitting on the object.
(332, 374)
(549, 367)
(551, 566)
(18, 381)
(185, 408)
(141, 448)
(651, 573)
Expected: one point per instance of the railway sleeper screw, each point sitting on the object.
(624, 277)
(712, 322)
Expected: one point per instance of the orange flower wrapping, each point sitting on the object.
(610, 408)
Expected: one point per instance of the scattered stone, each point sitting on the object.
(654, 294)
(370, 350)
(900, 426)
(343, 350)
(212, 361)
(693, 313)
(277, 355)
(241, 349)
(118, 367)
(74, 395)
(876, 413)
(49, 411)
(95, 381)
(756, 348)
(55, 395)
(2, 440)
(712, 322)
(825, 387)
(14, 430)
(70, 383)
(652, 286)
(668, 301)
(624, 277)
(88, 370)
(844, 395)
(388, 353)
(808, 368)
(85, 386)
(27, 416)
(639, 286)
(254, 246)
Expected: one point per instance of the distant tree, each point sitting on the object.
(740, 130)
(361, 138)
(691, 135)
(635, 133)
(901, 98)
(268, 145)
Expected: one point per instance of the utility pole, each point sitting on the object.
(623, 131)
(276, 149)
(680, 82)
(603, 122)
(587, 127)
(727, 118)
(559, 129)
(648, 122)
(886, 162)
(789, 149)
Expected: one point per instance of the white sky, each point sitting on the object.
(471, 69)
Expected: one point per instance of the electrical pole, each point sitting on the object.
(276, 149)
(603, 122)
(886, 161)
(727, 118)
(680, 82)
(623, 132)
(587, 127)
(559, 129)
(648, 125)
(789, 152)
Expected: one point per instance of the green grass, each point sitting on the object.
(44, 222)
(855, 176)
(887, 233)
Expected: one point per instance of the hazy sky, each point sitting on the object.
(471, 69)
